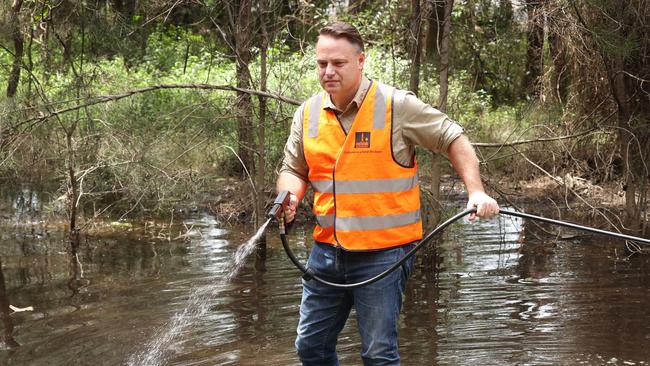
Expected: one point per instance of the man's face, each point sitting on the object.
(340, 64)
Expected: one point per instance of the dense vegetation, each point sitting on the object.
(121, 108)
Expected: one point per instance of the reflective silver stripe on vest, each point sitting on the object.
(377, 222)
(366, 185)
(325, 221)
(379, 113)
(315, 106)
(322, 186)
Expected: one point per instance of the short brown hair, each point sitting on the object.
(343, 30)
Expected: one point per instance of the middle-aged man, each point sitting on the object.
(354, 143)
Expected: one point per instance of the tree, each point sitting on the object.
(17, 37)
(444, 56)
(435, 21)
(616, 35)
(535, 50)
(415, 45)
(436, 172)
(243, 28)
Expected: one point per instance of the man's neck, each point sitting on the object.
(341, 102)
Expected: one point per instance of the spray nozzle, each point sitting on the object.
(281, 201)
(277, 210)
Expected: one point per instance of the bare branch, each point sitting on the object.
(523, 142)
(115, 97)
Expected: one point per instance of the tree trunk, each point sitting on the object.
(435, 22)
(415, 38)
(627, 144)
(436, 171)
(535, 50)
(444, 56)
(30, 62)
(67, 50)
(261, 128)
(17, 37)
(244, 103)
(73, 191)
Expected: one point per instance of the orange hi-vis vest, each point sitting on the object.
(363, 199)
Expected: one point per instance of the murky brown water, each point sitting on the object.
(487, 295)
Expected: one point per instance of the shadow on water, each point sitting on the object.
(489, 292)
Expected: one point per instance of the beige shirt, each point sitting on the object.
(414, 123)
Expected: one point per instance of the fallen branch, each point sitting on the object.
(116, 97)
(523, 142)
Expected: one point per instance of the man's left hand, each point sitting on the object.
(486, 206)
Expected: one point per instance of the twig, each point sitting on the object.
(132, 207)
(171, 222)
(250, 179)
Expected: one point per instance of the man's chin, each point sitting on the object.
(331, 88)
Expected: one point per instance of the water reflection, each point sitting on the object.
(488, 293)
(8, 341)
(23, 202)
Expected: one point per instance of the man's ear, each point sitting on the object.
(362, 59)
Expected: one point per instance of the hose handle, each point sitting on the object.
(277, 209)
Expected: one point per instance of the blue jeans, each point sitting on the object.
(324, 309)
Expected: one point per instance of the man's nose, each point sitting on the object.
(329, 70)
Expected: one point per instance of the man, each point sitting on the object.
(354, 143)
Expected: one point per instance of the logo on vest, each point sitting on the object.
(362, 139)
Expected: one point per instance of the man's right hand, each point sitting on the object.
(296, 187)
(290, 209)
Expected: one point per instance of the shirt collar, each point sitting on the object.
(358, 97)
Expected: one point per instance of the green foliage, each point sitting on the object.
(490, 47)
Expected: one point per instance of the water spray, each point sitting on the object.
(282, 200)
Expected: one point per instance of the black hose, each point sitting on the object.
(576, 226)
(308, 274)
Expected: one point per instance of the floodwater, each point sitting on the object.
(497, 292)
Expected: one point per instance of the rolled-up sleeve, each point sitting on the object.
(294, 156)
(423, 125)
